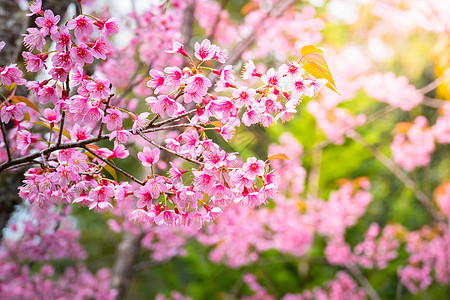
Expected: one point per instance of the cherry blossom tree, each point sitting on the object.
(150, 136)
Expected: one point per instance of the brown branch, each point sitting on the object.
(170, 127)
(432, 85)
(81, 144)
(61, 128)
(432, 102)
(176, 118)
(5, 140)
(100, 130)
(188, 25)
(114, 166)
(168, 150)
(153, 120)
(212, 35)
(363, 281)
(400, 174)
(122, 272)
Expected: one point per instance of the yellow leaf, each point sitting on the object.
(319, 73)
(278, 156)
(111, 171)
(216, 124)
(316, 65)
(108, 168)
(55, 128)
(17, 99)
(310, 49)
(9, 88)
(403, 127)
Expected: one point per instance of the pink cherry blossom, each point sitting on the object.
(156, 81)
(149, 157)
(51, 116)
(99, 89)
(82, 54)
(204, 51)
(113, 119)
(48, 23)
(10, 74)
(82, 25)
(34, 39)
(253, 167)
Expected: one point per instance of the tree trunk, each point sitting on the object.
(122, 272)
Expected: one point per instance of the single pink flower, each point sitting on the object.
(108, 27)
(82, 25)
(35, 8)
(204, 51)
(51, 116)
(63, 39)
(47, 94)
(34, 62)
(48, 23)
(156, 81)
(253, 168)
(271, 78)
(197, 84)
(177, 47)
(174, 76)
(100, 48)
(120, 151)
(34, 39)
(58, 74)
(149, 157)
(99, 89)
(82, 54)
(10, 74)
(244, 96)
(121, 135)
(139, 121)
(113, 119)
(79, 133)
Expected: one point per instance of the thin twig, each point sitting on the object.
(79, 144)
(100, 130)
(170, 127)
(432, 85)
(5, 140)
(435, 103)
(363, 281)
(400, 174)
(176, 118)
(153, 120)
(212, 35)
(114, 166)
(61, 128)
(168, 150)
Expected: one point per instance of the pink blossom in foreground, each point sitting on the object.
(149, 156)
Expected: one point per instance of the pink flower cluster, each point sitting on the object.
(341, 288)
(412, 147)
(396, 91)
(343, 208)
(377, 249)
(74, 174)
(47, 237)
(336, 122)
(428, 249)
